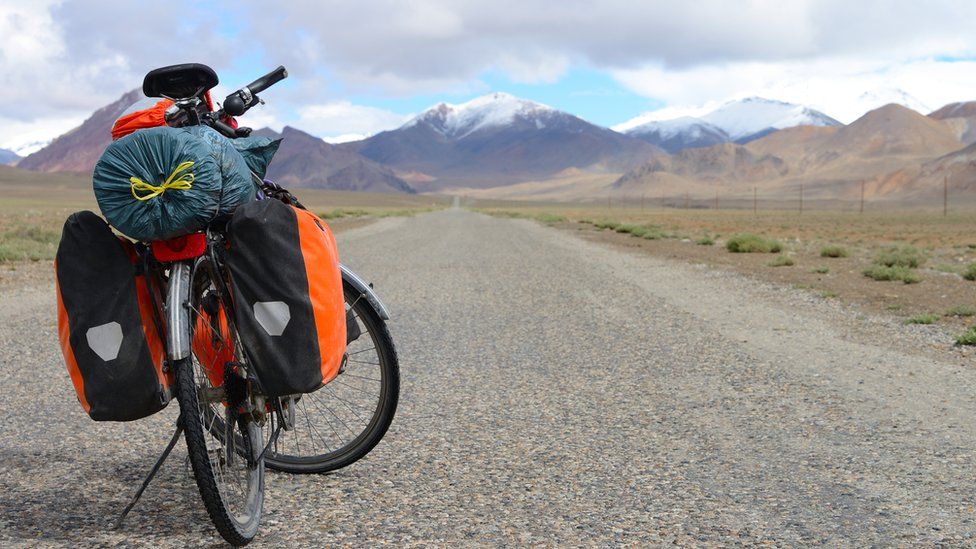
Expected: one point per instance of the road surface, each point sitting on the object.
(555, 392)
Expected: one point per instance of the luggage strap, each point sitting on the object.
(144, 191)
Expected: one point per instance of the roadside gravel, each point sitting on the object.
(555, 392)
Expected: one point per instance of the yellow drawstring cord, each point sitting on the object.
(174, 181)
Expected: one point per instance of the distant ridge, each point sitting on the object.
(738, 121)
(499, 139)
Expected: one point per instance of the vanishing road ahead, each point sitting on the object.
(555, 392)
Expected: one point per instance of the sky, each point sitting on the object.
(356, 68)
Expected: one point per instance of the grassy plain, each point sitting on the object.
(33, 207)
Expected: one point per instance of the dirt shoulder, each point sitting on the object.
(875, 309)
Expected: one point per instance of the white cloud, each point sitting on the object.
(842, 87)
(343, 119)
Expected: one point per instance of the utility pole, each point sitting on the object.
(755, 206)
(945, 196)
(862, 196)
(687, 201)
(801, 198)
(609, 207)
(642, 202)
(716, 200)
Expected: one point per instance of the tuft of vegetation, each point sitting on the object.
(750, 243)
(922, 319)
(884, 273)
(606, 224)
(821, 270)
(967, 338)
(339, 213)
(25, 242)
(962, 311)
(782, 261)
(900, 256)
(834, 251)
(550, 218)
(705, 241)
(649, 232)
(828, 294)
(970, 272)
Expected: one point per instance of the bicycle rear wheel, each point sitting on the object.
(342, 422)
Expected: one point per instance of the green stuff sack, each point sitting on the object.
(237, 186)
(257, 152)
(158, 183)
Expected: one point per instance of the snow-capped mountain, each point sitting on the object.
(740, 121)
(488, 111)
(679, 133)
(498, 139)
(754, 117)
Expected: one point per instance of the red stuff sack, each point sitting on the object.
(146, 113)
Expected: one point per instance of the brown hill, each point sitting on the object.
(961, 117)
(306, 161)
(79, 149)
(892, 130)
(964, 109)
(830, 162)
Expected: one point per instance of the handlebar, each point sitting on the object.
(268, 80)
(243, 99)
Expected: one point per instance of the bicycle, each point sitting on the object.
(232, 430)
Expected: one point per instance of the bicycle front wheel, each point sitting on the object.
(223, 440)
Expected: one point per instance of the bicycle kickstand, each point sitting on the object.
(153, 471)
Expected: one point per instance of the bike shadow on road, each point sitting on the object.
(58, 497)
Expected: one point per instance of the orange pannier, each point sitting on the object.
(289, 308)
(107, 323)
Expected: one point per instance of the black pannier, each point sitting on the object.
(288, 301)
(107, 324)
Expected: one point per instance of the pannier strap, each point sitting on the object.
(144, 191)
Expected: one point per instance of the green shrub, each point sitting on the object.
(628, 228)
(705, 241)
(903, 274)
(961, 311)
(970, 272)
(822, 270)
(967, 338)
(833, 251)
(900, 256)
(605, 224)
(922, 319)
(550, 218)
(750, 243)
(781, 261)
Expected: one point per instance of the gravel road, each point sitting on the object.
(555, 392)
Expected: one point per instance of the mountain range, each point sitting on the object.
(739, 121)
(497, 140)
(502, 146)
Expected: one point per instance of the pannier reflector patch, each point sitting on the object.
(273, 316)
(105, 340)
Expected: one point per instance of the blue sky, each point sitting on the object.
(358, 68)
